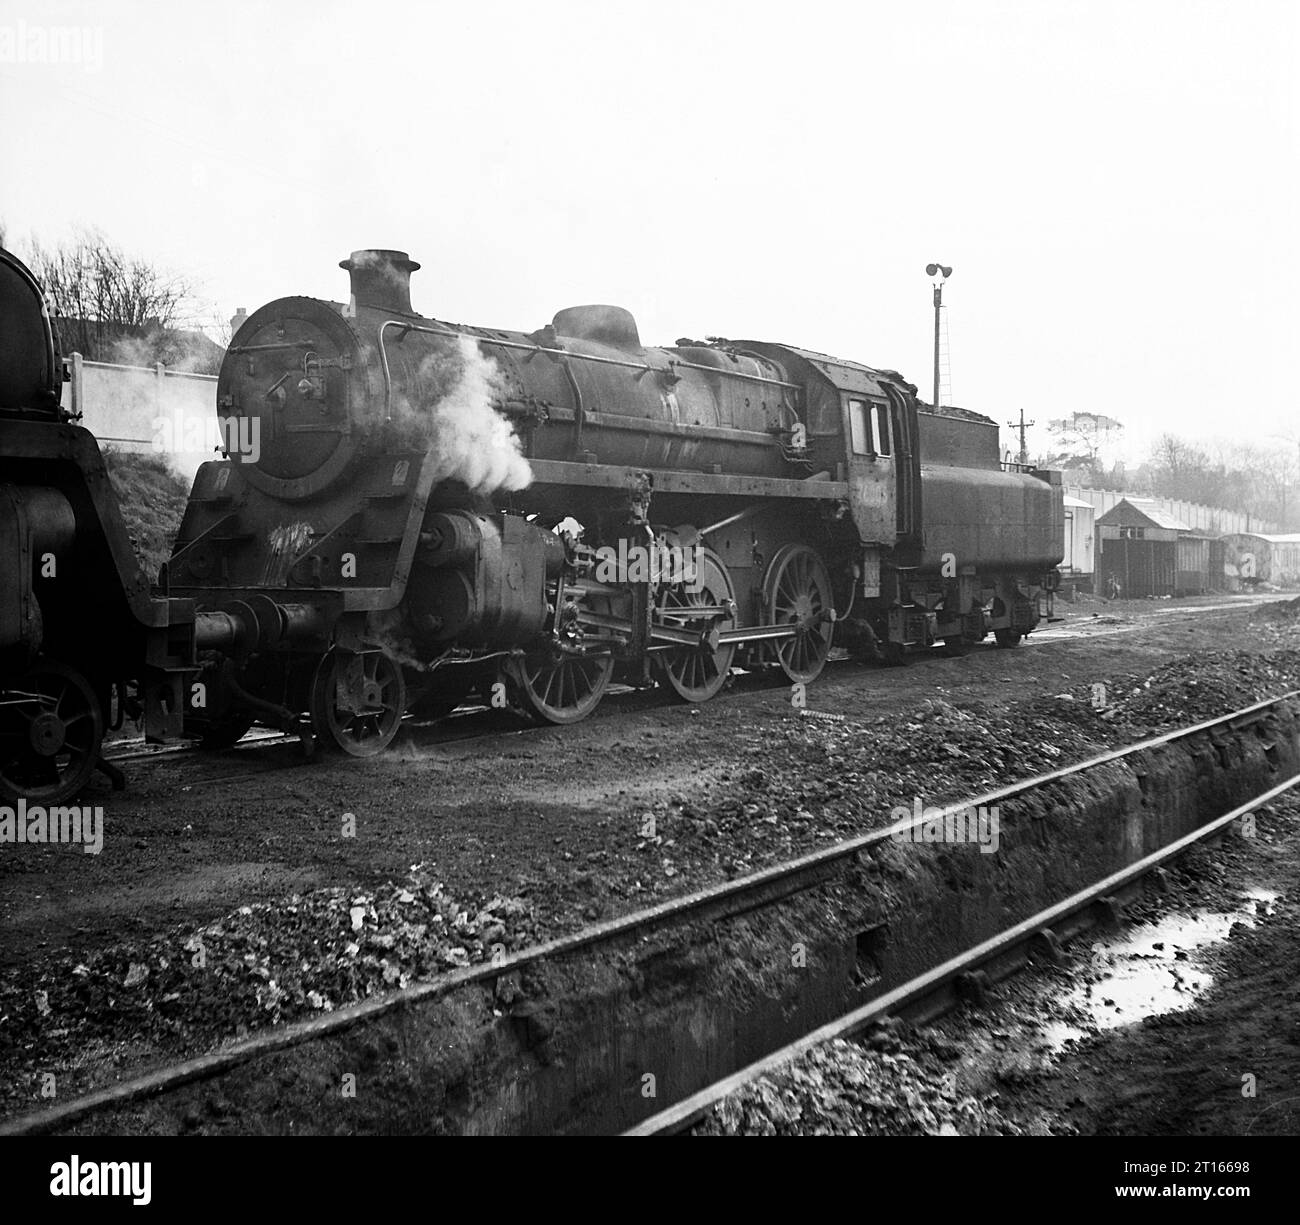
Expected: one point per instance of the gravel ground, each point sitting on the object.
(224, 903)
(891, 1083)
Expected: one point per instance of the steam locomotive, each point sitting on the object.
(377, 549)
(84, 641)
(411, 511)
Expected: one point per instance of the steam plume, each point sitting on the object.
(469, 440)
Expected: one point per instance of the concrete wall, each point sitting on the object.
(143, 408)
(1212, 520)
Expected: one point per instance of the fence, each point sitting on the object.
(1212, 520)
(143, 408)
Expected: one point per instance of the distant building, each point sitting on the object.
(1150, 552)
(1251, 558)
(1080, 523)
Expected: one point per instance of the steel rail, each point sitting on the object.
(693, 1108)
(703, 905)
(171, 750)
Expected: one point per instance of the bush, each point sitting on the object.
(152, 496)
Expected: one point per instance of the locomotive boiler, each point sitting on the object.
(411, 510)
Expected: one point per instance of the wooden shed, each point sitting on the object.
(1148, 552)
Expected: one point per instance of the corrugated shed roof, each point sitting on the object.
(1149, 509)
(1069, 501)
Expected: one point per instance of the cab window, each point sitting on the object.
(880, 429)
(859, 427)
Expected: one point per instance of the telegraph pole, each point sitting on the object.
(934, 270)
(1023, 460)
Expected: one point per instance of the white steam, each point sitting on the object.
(469, 440)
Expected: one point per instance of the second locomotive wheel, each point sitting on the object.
(797, 591)
(51, 728)
(562, 690)
(357, 701)
(696, 674)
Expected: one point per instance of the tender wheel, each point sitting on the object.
(560, 690)
(696, 675)
(1007, 639)
(51, 727)
(357, 700)
(797, 591)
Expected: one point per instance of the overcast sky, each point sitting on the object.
(1115, 185)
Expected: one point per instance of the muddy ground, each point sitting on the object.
(486, 832)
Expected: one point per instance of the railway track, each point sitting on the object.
(967, 975)
(925, 995)
(465, 723)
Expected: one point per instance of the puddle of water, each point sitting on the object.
(1263, 899)
(1148, 970)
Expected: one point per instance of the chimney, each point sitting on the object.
(237, 319)
(381, 279)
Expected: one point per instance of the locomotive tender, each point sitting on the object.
(376, 552)
(410, 511)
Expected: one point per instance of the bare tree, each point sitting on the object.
(1277, 469)
(1180, 469)
(102, 298)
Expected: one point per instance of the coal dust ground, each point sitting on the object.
(250, 888)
